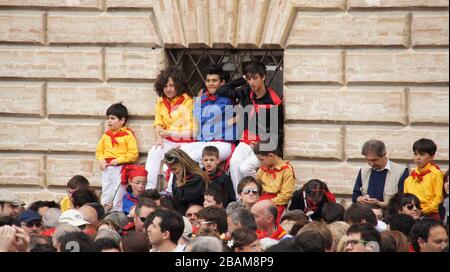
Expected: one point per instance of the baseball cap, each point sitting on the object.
(29, 216)
(8, 197)
(72, 217)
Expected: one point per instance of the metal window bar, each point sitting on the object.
(194, 61)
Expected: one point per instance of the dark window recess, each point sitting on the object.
(194, 61)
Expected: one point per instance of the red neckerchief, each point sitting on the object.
(169, 107)
(419, 176)
(277, 235)
(209, 97)
(276, 100)
(131, 198)
(274, 171)
(129, 227)
(118, 134)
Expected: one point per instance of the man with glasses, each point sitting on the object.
(362, 238)
(381, 179)
(31, 222)
(213, 218)
(9, 205)
(144, 208)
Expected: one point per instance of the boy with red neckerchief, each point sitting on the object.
(426, 180)
(277, 177)
(174, 121)
(117, 146)
(262, 118)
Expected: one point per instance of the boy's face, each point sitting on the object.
(209, 201)
(422, 159)
(210, 163)
(256, 82)
(169, 90)
(138, 185)
(213, 83)
(114, 123)
(267, 161)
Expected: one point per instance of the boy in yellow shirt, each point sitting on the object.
(277, 177)
(426, 180)
(116, 147)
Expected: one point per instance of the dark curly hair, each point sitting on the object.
(179, 80)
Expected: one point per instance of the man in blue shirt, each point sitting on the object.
(381, 179)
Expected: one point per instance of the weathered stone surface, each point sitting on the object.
(345, 104)
(61, 169)
(396, 3)
(65, 100)
(308, 142)
(223, 23)
(429, 105)
(50, 63)
(129, 3)
(26, 28)
(417, 67)
(430, 30)
(22, 170)
(91, 4)
(314, 66)
(21, 98)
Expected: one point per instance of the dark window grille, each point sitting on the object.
(194, 61)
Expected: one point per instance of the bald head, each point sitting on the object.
(265, 213)
(89, 214)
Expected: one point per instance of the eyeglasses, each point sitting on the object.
(248, 191)
(82, 227)
(200, 223)
(31, 224)
(355, 242)
(410, 207)
(191, 214)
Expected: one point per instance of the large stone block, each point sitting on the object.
(397, 66)
(134, 63)
(129, 3)
(429, 105)
(26, 28)
(51, 63)
(251, 23)
(22, 98)
(49, 136)
(102, 28)
(319, 4)
(89, 4)
(224, 21)
(66, 100)
(61, 169)
(396, 3)
(430, 30)
(323, 66)
(311, 142)
(22, 171)
(345, 104)
(349, 30)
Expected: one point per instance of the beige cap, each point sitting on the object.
(9, 197)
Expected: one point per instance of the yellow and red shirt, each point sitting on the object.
(120, 145)
(279, 180)
(175, 115)
(426, 184)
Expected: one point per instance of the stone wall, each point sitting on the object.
(354, 70)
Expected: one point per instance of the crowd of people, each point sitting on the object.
(216, 181)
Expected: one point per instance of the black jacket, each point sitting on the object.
(220, 178)
(190, 193)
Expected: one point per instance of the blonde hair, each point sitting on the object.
(188, 166)
(338, 230)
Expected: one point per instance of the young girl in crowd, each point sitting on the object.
(188, 183)
(135, 178)
(174, 122)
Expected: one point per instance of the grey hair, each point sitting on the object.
(233, 206)
(244, 217)
(205, 244)
(51, 217)
(119, 218)
(376, 147)
(109, 234)
(63, 229)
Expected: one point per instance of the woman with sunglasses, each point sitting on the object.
(311, 198)
(404, 203)
(188, 181)
(249, 190)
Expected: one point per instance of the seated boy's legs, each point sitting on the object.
(243, 162)
(194, 150)
(153, 163)
(111, 185)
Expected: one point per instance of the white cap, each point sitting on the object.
(72, 217)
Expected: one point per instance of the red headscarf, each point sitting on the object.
(131, 171)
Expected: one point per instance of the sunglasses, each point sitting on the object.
(310, 191)
(36, 224)
(170, 159)
(82, 227)
(410, 207)
(248, 191)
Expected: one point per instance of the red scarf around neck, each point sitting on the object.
(419, 175)
(209, 97)
(169, 107)
(116, 135)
